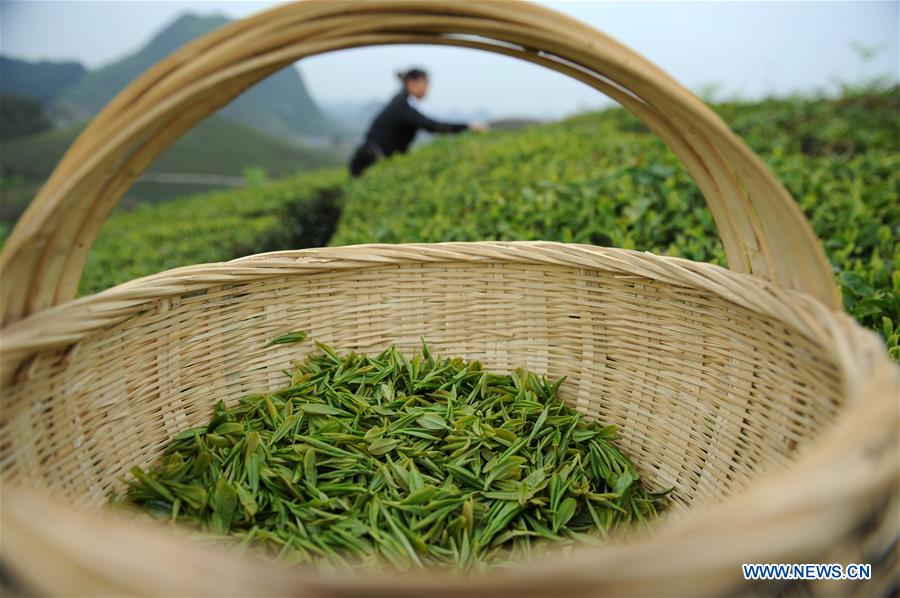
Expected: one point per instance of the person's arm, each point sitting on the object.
(410, 115)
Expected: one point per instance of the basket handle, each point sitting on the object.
(762, 229)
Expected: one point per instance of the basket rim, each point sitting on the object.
(76, 319)
(854, 443)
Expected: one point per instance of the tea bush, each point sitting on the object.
(598, 178)
(295, 212)
(603, 178)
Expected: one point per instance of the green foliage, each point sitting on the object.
(41, 81)
(254, 176)
(840, 159)
(292, 213)
(586, 180)
(35, 156)
(21, 116)
(15, 195)
(603, 178)
(216, 146)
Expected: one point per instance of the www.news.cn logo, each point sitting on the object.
(806, 571)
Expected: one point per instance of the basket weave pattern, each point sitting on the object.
(715, 377)
(703, 388)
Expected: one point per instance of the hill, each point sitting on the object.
(279, 106)
(215, 147)
(41, 81)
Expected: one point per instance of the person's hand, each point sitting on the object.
(479, 126)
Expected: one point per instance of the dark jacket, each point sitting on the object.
(395, 126)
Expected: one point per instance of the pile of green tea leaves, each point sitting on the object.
(400, 463)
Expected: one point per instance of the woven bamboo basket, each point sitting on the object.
(772, 414)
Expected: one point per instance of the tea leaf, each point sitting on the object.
(564, 513)
(223, 503)
(432, 421)
(383, 445)
(291, 337)
(309, 467)
(319, 409)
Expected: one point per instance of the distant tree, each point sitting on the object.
(20, 116)
(41, 80)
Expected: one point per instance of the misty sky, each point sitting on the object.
(747, 49)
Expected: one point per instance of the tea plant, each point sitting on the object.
(603, 178)
(295, 212)
(598, 178)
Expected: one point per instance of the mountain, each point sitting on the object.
(216, 146)
(41, 81)
(280, 105)
(214, 154)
